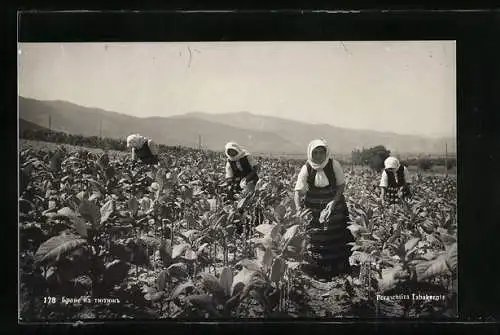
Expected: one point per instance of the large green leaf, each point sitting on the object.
(359, 257)
(259, 254)
(96, 185)
(267, 259)
(278, 269)
(89, 211)
(265, 241)
(279, 212)
(430, 269)
(191, 235)
(179, 289)
(243, 202)
(66, 212)
(412, 243)
(151, 241)
(289, 234)
(115, 272)
(204, 302)
(211, 283)
(250, 264)
(265, 228)
(390, 278)
(81, 226)
(106, 210)
(190, 254)
(255, 288)
(161, 281)
(166, 251)
(178, 270)
(57, 246)
(133, 206)
(451, 259)
(154, 295)
(83, 195)
(356, 229)
(179, 249)
(241, 279)
(226, 280)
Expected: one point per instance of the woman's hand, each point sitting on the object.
(298, 211)
(327, 212)
(331, 205)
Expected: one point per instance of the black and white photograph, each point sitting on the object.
(237, 180)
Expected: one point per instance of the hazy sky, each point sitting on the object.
(404, 87)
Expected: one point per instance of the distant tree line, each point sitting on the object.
(426, 163)
(374, 158)
(78, 140)
(94, 141)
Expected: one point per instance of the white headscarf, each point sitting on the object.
(136, 141)
(240, 151)
(391, 163)
(321, 180)
(313, 145)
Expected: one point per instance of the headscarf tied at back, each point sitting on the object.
(313, 145)
(135, 140)
(240, 151)
(391, 163)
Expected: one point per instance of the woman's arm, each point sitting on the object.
(339, 192)
(382, 194)
(229, 174)
(383, 184)
(300, 187)
(340, 178)
(297, 199)
(407, 177)
(133, 153)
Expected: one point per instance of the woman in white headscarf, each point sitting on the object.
(143, 148)
(321, 181)
(395, 181)
(241, 169)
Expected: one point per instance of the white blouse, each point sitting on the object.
(229, 171)
(321, 180)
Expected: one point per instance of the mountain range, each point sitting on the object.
(257, 133)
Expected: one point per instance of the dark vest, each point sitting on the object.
(245, 165)
(317, 197)
(391, 179)
(145, 154)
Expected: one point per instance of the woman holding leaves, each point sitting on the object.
(143, 148)
(321, 181)
(395, 182)
(241, 169)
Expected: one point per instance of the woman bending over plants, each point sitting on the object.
(395, 182)
(241, 169)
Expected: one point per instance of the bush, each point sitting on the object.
(425, 164)
(451, 164)
(376, 162)
(373, 157)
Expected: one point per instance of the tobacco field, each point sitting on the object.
(102, 237)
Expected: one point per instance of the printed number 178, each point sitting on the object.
(49, 300)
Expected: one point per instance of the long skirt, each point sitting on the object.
(327, 250)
